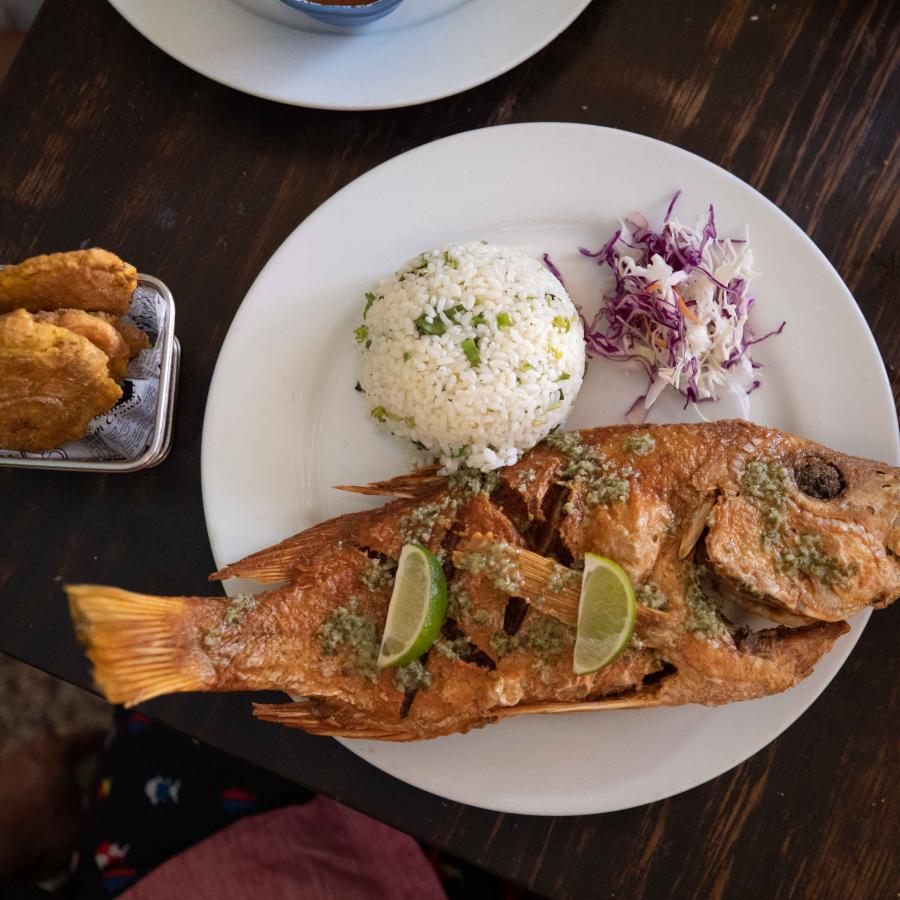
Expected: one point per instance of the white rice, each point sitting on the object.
(521, 374)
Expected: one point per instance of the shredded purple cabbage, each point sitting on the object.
(679, 307)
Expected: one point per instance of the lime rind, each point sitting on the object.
(417, 609)
(607, 610)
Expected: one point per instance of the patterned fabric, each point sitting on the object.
(171, 817)
(158, 792)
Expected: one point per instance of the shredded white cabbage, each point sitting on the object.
(681, 306)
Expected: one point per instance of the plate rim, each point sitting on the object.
(123, 8)
(402, 159)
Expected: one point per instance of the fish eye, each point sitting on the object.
(819, 478)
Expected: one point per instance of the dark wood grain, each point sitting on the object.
(104, 140)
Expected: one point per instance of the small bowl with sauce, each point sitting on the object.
(344, 12)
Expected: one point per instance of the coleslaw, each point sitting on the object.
(680, 308)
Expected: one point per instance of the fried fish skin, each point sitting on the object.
(101, 333)
(93, 280)
(755, 504)
(52, 383)
(809, 533)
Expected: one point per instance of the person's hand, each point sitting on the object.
(40, 804)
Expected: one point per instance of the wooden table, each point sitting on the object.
(105, 140)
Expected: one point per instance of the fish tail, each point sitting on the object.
(141, 646)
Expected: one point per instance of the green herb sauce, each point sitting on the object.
(345, 627)
(238, 605)
(467, 482)
(606, 481)
(547, 638)
(809, 558)
(416, 526)
(650, 594)
(454, 649)
(639, 444)
(413, 677)
(457, 601)
(497, 561)
(703, 616)
(378, 575)
(236, 608)
(768, 482)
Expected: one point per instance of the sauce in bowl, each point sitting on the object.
(344, 12)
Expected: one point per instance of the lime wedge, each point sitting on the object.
(606, 613)
(418, 608)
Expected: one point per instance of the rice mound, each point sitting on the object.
(473, 352)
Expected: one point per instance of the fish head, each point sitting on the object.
(801, 528)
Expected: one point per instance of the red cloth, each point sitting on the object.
(319, 850)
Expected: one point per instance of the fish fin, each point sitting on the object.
(410, 485)
(537, 573)
(137, 643)
(295, 555)
(278, 563)
(695, 525)
(631, 700)
(315, 718)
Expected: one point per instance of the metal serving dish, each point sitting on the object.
(160, 440)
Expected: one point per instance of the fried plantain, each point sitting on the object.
(132, 335)
(92, 280)
(101, 333)
(52, 383)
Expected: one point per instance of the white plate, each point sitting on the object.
(283, 422)
(424, 50)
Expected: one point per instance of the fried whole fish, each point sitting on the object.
(788, 528)
(52, 383)
(92, 280)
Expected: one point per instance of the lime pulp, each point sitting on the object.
(417, 610)
(606, 614)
